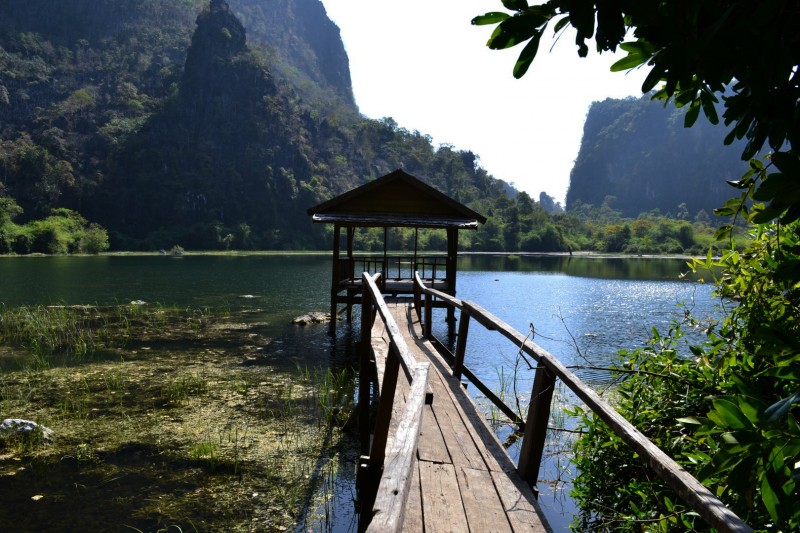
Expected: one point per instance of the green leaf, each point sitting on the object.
(516, 5)
(742, 183)
(774, 185)
(767, 214)
(653, 77)
(724, 232)
(527, 56)
(628, 62)
(492, 17)
(787, 162)
(641, 47)
(730, 414)
(770, 499)
(515, 30)
(707, 100)
(781, 407)
(691, 115)
(562, 23)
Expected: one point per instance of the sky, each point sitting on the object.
(422, 63)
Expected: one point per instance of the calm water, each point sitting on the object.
(581, 310)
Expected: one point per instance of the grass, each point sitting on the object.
(160, 425)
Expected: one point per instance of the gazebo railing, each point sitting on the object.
(394, 267)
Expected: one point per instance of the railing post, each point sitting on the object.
(428, 315)
(530, 455)
(417, 295)
(461, 343)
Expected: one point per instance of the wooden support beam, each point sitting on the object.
(334, 278)
(533, 440)
(428, 323)
(461, 343)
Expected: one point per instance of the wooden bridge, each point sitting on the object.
(430, 462)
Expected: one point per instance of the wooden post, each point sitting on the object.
(428, 316)
(530, 455)
(451, 269)
(350, 293)
(461, 343)
(385, 267)
(417, 296)
(334, 278)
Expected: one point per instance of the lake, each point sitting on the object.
(580, 309)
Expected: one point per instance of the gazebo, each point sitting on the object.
(396, 200)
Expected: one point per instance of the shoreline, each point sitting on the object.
(244, 253)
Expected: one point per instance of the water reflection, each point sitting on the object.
(630, 268)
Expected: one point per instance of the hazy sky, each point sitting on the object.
(422, 63)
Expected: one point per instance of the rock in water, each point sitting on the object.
(11, 427)
(315, 317)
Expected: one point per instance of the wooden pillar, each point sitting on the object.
(451, 269)
(350, 293)
(530, 454)
(335, 276)
(461, 343)
(385, 267)
(414, 264)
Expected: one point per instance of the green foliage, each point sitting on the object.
(728, 414)
(753, 426)
(658, 385)
(63, 232)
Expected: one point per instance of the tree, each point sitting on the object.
(746, 445)
(745, 52)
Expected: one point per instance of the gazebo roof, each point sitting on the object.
(397, 199)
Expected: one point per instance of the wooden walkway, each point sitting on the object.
(431, 463)
(463, 479)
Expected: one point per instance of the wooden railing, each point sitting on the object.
(549, 369)
(387, 476)
(430, 267)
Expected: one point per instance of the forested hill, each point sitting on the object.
(195, 123)
(637, 156)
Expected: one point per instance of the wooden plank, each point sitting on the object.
(519, 503)
(413, 521)
(485, 440)
(482, 504)
(431, 443)
(442, 509)
(457, 436)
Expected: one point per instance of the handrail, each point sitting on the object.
(388, 511)
(391, 472)
(696, 495)
(396, 338)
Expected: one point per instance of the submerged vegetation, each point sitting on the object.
(162, 418)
